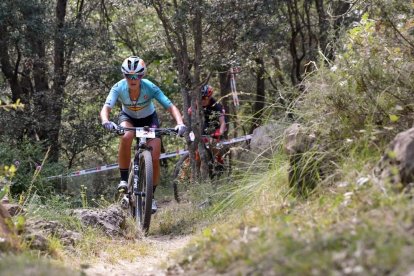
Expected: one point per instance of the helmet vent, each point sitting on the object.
(133, 65)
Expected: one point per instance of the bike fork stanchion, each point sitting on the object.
(136, 192)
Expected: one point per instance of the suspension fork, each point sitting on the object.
(136, 172)
(140, 146)
(136, 166)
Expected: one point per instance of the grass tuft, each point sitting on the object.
(346, 226)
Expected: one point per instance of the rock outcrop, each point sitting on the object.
(14, 209)
(37, 232)
(264, 144)
(111, 220)
(8, 238)
(396, 166)
(266, 139)
(297, 139)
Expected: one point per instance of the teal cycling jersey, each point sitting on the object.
(143, 106)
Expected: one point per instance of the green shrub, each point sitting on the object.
(366, 91)
(27, 159)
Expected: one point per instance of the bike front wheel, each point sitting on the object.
(145, 189)
(132, 198)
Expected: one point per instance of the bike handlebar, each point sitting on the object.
(158, 131)
(120, 130)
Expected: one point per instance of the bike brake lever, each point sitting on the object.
(120, 131)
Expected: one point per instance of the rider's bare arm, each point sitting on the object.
(175, 113)
(222, 124)
(106, 110)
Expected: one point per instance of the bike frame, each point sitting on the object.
(213, 148)
(140, 147)
(136, 193)
(212, 145)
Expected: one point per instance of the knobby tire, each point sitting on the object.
(132, 202)
(144, 211)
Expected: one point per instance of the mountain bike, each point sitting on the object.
(217, 162)
(138, 198)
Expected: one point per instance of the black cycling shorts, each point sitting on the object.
(150, 121)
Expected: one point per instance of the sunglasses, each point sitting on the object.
(134, 76)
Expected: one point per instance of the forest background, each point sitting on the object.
(341, 68)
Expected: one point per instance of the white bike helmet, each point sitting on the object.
(133, 65)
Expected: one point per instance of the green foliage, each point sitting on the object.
(353, 227)
(19, 223)
(177, 220)
(81, 132)
(54, 247)
(356, 101)
(4, 191)
(307, 170)
(249, 185)
(6, 176)
(54, 208)
(27, 160)
(366, 91)
(348, 225)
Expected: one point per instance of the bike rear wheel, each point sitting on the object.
(145, 189)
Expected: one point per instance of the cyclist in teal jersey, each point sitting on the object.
(136, 95)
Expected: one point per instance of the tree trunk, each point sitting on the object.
(225, 90)
(176, 32)
(323, 27)
(59, 81)
(260, 94)
(7, 68)
(198, 41)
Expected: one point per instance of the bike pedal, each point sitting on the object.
(125, 202)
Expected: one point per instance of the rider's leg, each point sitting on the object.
(124, 151)
(156, 152)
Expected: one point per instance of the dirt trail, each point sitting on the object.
(154, 263)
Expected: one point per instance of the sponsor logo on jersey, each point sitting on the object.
(136, 108)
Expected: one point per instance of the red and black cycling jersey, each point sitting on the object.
(212, 112)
